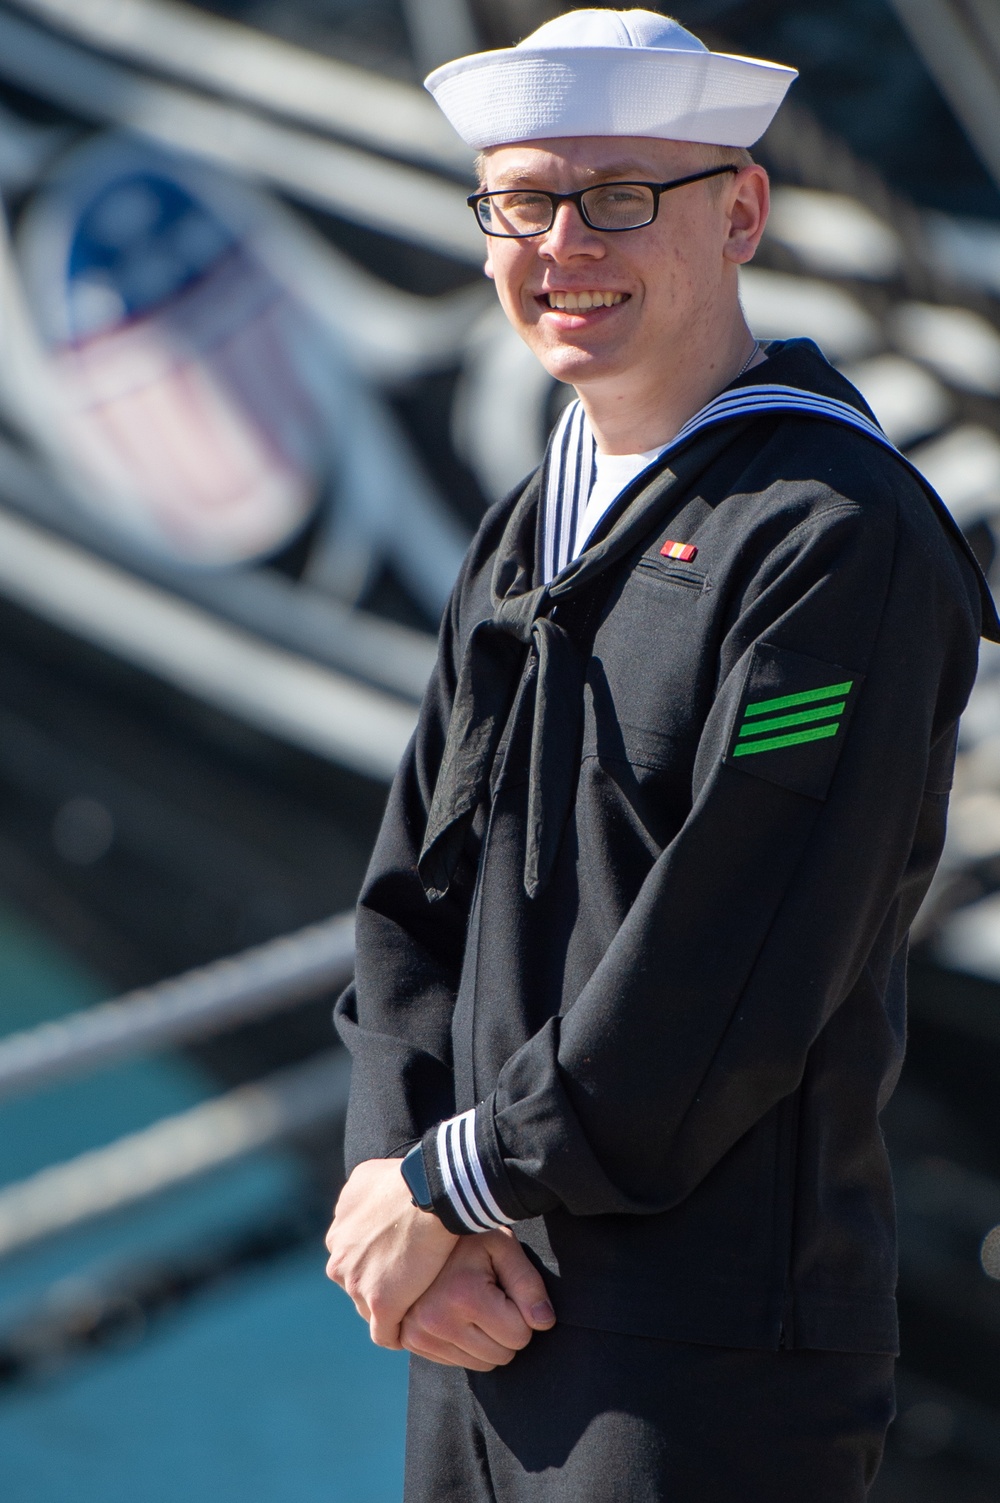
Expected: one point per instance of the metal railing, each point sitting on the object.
(209, 1000)
(174, 1150)
(299, 1099)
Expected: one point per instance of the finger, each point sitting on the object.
(455, 1359)
(447, 1354)
(385, 1331)
(453, 1331)
(521, 1282)
(467, 1296)
(479, 1343)
(496, 1315)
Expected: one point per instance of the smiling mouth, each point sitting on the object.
(582, 302)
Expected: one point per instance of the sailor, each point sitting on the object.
(631, 950)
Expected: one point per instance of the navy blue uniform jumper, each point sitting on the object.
(651, 924)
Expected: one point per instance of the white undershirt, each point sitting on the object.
(613, 473)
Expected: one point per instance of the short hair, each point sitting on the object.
(738, 155)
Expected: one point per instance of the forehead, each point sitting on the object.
(581, 159)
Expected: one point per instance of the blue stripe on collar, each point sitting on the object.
(754, 399)
(730, 406)
(570, 456)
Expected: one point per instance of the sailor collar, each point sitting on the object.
(569, 463)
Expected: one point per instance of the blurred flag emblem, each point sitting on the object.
(189, 379)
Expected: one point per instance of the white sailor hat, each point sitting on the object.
(609, 73)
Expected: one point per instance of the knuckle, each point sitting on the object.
(411, 1334)
(465, 1294)
(351, 1285)
(437, 1324)
(383, 1335)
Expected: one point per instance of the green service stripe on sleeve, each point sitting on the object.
(778, 723)
(832, 691)
(819, 732)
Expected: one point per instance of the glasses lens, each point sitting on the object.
(619, 206)
(515, 213)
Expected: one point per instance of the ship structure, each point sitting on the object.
(255, 395)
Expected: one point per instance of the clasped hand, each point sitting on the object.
(463, 1301)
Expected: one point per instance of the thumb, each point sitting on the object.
(521, 1282)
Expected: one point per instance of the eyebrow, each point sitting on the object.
(617, 172)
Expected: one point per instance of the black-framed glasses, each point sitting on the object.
(519, 213)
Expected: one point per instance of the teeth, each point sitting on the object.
(583, 301)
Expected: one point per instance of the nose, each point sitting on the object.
(571, 236)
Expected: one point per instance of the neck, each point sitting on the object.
(647, 406)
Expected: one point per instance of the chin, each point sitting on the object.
(574, 366)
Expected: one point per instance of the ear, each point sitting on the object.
(488, 265)
(748, 204)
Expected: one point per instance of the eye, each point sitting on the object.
(619, 195)
(522, 200)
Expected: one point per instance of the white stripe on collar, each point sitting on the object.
(570, 465)
(568, 484)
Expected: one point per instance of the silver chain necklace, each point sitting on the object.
(749, 360)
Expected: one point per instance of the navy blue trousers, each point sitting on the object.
(586, 1416)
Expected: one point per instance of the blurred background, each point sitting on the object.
(254, 396)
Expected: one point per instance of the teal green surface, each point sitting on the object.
(38, 980)
(272, 1393)
(267, 1391)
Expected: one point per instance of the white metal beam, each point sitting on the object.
(174, 1150)
(399, 200)
(225, 994)
(240, 62)
(960, 56)
(302, 702)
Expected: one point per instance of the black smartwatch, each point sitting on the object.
(413, 1171)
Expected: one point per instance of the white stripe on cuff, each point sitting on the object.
(460, 1156)
(486, 1200)
(451, 1190)
(470, 1197)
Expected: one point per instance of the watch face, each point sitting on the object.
(415, 1174)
